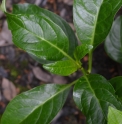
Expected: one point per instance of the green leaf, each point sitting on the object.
(93, 19)
(39, 36)
(117, 84)
(39, 60)
(37, 106)
(34, 10)
(114, 116)
(63, 68)
(113, 42)
(82, 50)
(93, 94)
(3, 6)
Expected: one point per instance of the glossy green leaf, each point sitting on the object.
(3, 6)
(39, 60)
(82, 50)
(34, 10)
(63, 68)
(39, 36)
(37, 106)
(113, 43)
(93, 94)
(93, 19)
(117, 84)
(114, 116)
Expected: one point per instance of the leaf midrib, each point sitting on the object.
(50, 99)
(64, 53)
(94, 93)
(93, 35)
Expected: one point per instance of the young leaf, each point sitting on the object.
(82, 50)
(35, 10)
(93, 19)
(93, 94)
(39, 36)
(114, 116)
(37, 106)
(63, 68)
(117, 84)
(113, 42)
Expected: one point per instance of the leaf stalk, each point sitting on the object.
(90, 62)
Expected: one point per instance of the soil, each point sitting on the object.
(17, 66)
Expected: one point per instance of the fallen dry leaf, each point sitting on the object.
(59, 79)
(41, 75)
(6, 34)
(9, 90)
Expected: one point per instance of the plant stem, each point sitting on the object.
(90, 62)
(83, 71)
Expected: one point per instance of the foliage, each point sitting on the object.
(113, 43)
(114, 116)
(88, 96)
(50, 40)
(38, 105)
(117, 84)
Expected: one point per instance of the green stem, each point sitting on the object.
(83, 71)
(90, 62)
